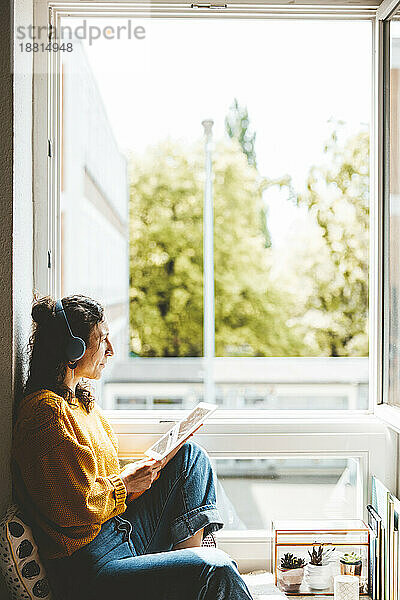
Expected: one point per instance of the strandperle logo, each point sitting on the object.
(83, 31)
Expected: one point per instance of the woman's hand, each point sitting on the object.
(139, 476)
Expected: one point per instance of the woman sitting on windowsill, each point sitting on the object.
(68, 482)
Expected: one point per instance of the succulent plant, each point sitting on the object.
(351, 558)
(288, 561)
(319, 557)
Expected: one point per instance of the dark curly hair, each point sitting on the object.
(47, 360)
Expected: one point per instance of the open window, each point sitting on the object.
(237, 269)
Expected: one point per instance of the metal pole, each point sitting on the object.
(208, 270)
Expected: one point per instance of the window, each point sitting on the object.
(262, 304)
(392, 197)
(300, 412)
(323, 488)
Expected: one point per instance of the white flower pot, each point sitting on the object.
(290, 580)
(318, 577)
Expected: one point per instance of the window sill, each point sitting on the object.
(129, 422)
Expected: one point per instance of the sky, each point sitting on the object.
(293, 76)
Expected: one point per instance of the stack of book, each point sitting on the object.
(383, 522)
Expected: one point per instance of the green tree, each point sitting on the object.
(335, 312)
(251, 312)
(166, 261)
(237, 126)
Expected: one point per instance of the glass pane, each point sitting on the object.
(290, 193)
(294, 396)
(393, 223)
(269, 384)
(291, 216)
(253, 492)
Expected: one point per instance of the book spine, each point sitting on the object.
(395, 564)
(379, 563)
(390, 573)
(372, 566)
(383, 565)
(398, 568)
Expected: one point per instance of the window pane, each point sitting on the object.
(290, 193)
(392, 345)
(253, 492)
(292, 197)
(269, 384)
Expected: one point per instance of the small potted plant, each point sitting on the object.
(290, 573)
(351, 564)
(318, 570)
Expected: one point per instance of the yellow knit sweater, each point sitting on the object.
(65, 471)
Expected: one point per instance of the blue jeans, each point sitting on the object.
(131, 558)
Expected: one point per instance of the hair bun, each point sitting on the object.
(43, 310)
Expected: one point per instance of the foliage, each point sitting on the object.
(318, 557)
(351, 558)
(317, 304)
(288, 561)
(334, 267)
(237, 126)
(166, 259)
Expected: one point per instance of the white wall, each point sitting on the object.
(15, 228)
(89, 137)
(6, 283)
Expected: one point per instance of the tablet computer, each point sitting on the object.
(181, 430)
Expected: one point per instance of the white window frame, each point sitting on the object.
(384, 411)
(47, 171)
(319, 434)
